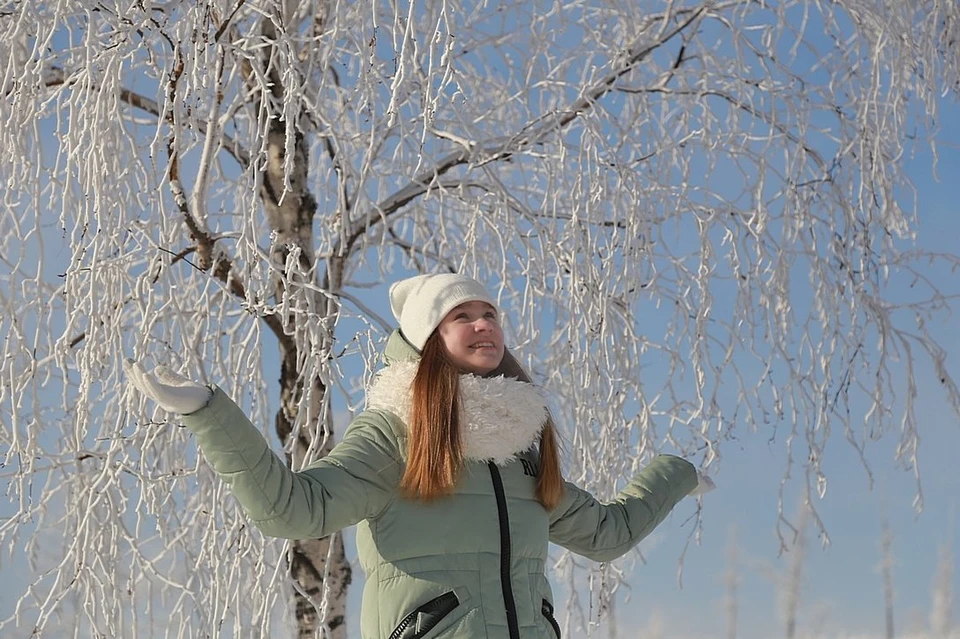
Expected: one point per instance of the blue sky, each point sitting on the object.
(841, 589)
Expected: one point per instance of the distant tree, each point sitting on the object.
(693, 213)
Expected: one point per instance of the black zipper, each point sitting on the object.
(547, 610)
(505, 583)
(438, 606)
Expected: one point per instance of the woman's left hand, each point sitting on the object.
(704, 485)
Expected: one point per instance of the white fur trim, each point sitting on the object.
(501, 416)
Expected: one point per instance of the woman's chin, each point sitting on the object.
(482, 364)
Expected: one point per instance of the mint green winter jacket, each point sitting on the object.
(468, 566)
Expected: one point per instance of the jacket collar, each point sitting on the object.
(501, 416)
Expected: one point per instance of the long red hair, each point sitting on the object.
(434, 444)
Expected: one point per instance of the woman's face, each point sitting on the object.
(473, 338)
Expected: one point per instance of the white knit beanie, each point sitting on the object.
(420, 303)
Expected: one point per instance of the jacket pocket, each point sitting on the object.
(422, 620)
(547, 610)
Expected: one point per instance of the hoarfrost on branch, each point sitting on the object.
(694, 214)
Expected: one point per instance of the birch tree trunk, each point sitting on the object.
(319, 567)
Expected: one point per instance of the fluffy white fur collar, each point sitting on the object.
(501, 416)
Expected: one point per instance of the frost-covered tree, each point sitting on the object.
(693, 213)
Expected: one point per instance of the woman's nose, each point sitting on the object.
(483, 324)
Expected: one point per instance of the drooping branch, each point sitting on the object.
(55, 76)
(530, 134)
(616, 207)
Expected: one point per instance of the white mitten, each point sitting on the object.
(704, 485)
(171, 391)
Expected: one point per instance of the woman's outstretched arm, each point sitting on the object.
(605, 531)
(355, 481)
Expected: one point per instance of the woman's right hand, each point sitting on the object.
(171, 391)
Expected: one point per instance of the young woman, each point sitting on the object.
(452, 475)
